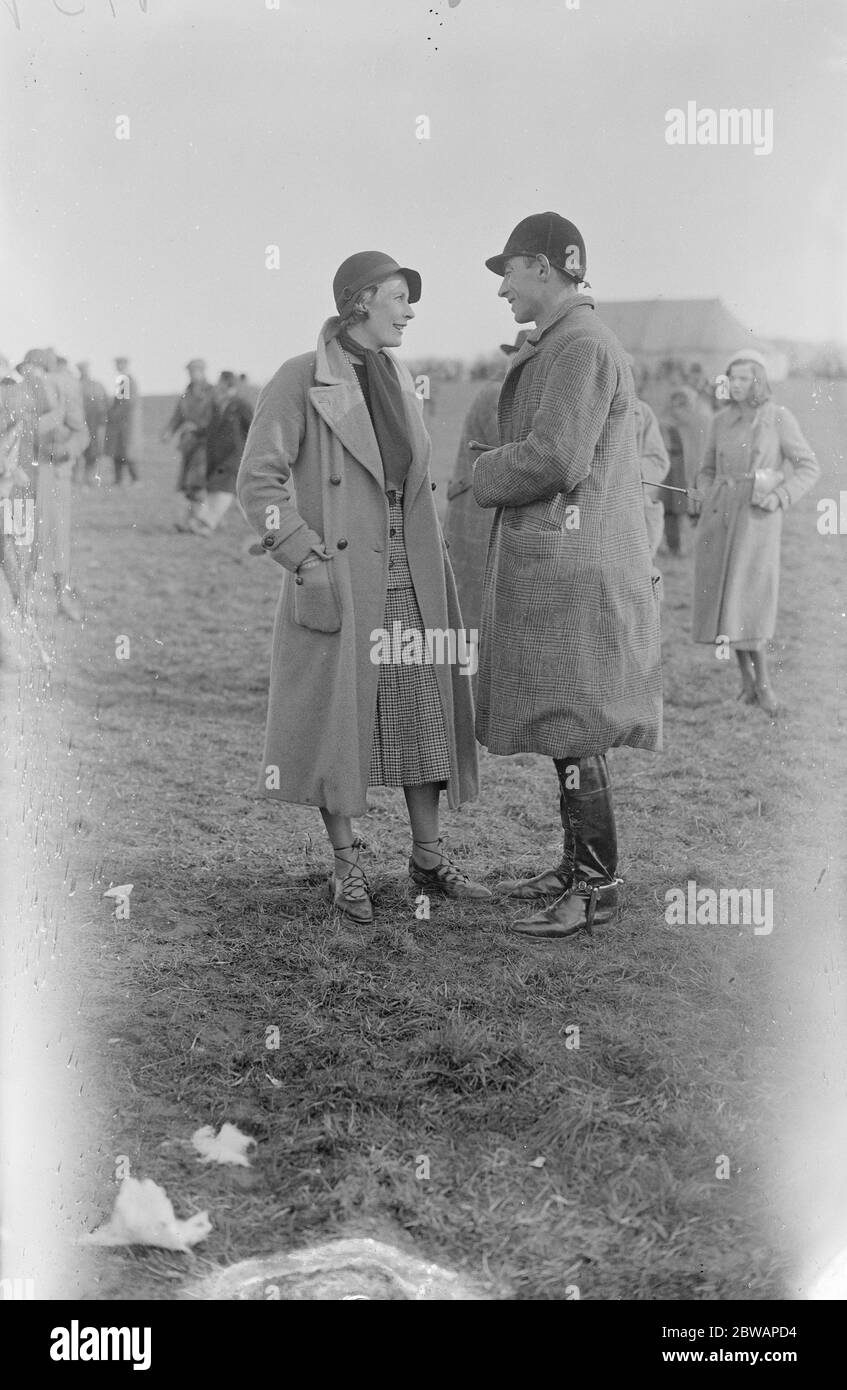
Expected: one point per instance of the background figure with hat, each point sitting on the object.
(248, 390)
(190, 423)
(95, 404)
(570, 659)
(61, 437)
(755, 465)
(31, 408)
(655, 466)
(225, 438)
(335, 479)
(467, 526)
(684, 429)
(123, 424)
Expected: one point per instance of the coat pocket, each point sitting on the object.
(457, 487)
(530, 523)
(316, 602)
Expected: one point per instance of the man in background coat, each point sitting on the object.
(123, 424)
(655, 466)
(570, 660)
(62, 439)
(189, 422)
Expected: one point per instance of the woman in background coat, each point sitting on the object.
(756, 464)
(335, 479)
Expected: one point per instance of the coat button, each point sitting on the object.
(342, 544)
(269, 541)
(434, 486)
(392, 530)
(335, 480)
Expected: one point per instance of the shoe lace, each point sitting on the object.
(446, 870)
(354, 884)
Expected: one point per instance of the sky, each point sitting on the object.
(252, 126)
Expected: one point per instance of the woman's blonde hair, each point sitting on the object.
(760, 387)
(359, 311)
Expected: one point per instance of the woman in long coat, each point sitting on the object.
(755, 465)
(335, 479)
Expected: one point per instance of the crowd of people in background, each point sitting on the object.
(209, 424)
(58, 428)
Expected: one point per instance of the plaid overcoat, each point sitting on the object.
(570, 652)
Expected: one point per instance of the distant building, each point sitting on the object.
(669, 336)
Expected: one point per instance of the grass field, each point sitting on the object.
(549, 1167)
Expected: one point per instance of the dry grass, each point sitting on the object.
(445, 1040)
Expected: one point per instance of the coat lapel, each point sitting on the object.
(531, 345)
(338, 400)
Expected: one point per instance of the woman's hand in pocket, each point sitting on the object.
(316, 601)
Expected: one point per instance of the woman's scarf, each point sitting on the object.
(387, 411)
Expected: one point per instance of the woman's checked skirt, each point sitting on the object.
(409, 739)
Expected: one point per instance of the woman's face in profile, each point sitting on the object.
(388, 313)
(741, 378)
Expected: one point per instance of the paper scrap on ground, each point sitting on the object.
(143, 1215)
(229, 1146)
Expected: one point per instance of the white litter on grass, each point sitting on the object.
(123, 891)
(228, 1146)
(143, 1215)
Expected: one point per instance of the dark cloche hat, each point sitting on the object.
(545, 234)
(369, 268)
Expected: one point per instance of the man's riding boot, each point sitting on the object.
(592, 897)
(550, 883)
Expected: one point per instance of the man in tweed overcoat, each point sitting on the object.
(570, 656)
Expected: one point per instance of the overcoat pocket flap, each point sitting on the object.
(456, 488)
(316, 600)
